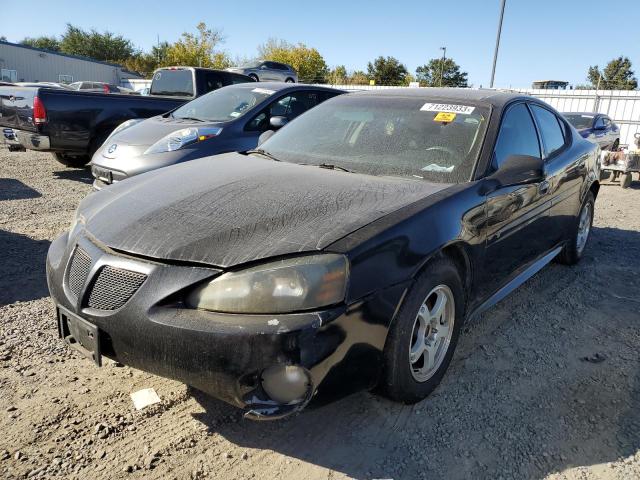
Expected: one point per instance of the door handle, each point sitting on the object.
(543, 188)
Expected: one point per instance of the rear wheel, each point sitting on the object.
(573, 251)
(424, 336)
(74, 161)
(290, 80)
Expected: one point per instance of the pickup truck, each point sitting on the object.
(73, 124)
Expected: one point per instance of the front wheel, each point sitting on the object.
(254, 76)
(424, 336)
(574, 249)
(74, 161)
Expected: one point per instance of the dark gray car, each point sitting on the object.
(267, 71)
(226, 120)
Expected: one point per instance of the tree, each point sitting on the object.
(617, 75)
(100, 46)
(198, 50)
(387, 71)
(44, 42)
(308, 62)
(358, 78)
(437, 73)
(337, 76)
(3, 38)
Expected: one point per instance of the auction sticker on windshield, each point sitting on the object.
(444, 117)
(447, 107)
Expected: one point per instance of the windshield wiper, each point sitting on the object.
(264, 153)
(188, 118)
(331, 166)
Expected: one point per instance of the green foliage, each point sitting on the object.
(338, 76)
(44, 42)
(308, 62)
(437, 73)
(617, 75)
(387, 71)
(101, 46)
(198, 50)
(358, 78)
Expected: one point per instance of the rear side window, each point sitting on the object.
(178, 83)
(550, 129)
(289, 106)
(517, 135)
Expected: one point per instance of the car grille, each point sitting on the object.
(113, 287)
(79, 270)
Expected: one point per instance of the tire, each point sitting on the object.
(402, 379)
(574, 249)
(254, 76)
(625, 180)
(289, 80)
(74, 161)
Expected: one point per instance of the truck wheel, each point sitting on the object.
(74, 161)
(424, 336)
(625, 180)
(574, 249)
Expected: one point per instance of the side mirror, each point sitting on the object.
(599, 127)
(264, 136)
(278, 121)
(519, 169)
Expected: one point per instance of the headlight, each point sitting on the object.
(124, 126)
(290, 285)
(182, 138)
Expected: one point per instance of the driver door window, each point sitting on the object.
(517, 136)
(290, 107)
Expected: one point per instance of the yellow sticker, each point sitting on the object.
(444, 117)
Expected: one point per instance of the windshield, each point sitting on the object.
(224, 104)
(177, 83)
(397, 136)
(580, 121)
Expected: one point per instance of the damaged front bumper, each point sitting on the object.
(268, 365)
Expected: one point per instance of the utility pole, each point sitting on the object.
(444, 57)
(495, 54)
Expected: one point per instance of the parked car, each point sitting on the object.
(597, 127)
(267, 71)
(101, 87)
(73, 124)
(345, 253)
(226, 120)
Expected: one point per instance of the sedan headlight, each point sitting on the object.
(124, 126)
(285, 286)
(182, 138)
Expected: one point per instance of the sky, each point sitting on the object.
(541, 39)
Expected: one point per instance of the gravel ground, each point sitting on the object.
(544, 385)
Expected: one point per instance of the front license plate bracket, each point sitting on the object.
(82, 336)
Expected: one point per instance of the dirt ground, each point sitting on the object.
(544, 385)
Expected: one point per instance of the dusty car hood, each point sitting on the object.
(153, 129)
(231, 209)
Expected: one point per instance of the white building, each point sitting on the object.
(21, 63)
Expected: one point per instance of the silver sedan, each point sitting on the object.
(267, 71)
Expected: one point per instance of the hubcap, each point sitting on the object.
(584, 227)
(432, 331)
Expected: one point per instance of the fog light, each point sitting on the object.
(286, 383)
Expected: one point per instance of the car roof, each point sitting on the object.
(496, 98)
(283, 86)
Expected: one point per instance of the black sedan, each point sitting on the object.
(229, 119)
(344, 253)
